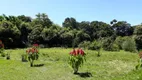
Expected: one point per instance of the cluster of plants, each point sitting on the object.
(110, 44)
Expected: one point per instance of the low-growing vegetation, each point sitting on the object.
(53, 65)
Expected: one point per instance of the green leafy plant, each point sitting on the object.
(24, 57)
(139, 61)
(84, 44)
(7, 56)
(33, 54)
(129, 45)
(76, 59)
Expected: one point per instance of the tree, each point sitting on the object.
(25, 29)
(34, 36)
(138, 36)
(113, 21)
(43, 20)
(10, 34)
(85, 26)
(71, 23)
(50, 35)
(24, 18)
(67, 38)
(80, 36)
(122, 28)
(100, 29)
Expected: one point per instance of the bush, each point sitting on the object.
(84, 44)
(129, 45)
(114, 47)
(95, 45)
(24, 57)
(2, 54)
(119, 41)
(109, 45)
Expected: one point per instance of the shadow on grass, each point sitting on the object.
(24, 60)
(84, 74)
(38, 65)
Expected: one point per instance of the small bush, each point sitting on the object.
(3, 54)
(24, 57)
(114, 47)
(7, 56)
(95, 45)
(119, 41)
(109, 45)
(129, 45)
(84, 44)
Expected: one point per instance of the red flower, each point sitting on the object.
(32, 50)
(77, 52)
(140, 54)
(27, 51)
(2, 45)
(81, 51)
(35, 45)
(74, 52)
(71, 53)
(0, 41)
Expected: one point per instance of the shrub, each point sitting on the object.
(3, 54)
(84, 44)
(76, 59)
(7, 56)
(109, 45)
(95, 45)
(32, 54)
(129, 45)
(24, 57)
(119, 41)
(114, 47)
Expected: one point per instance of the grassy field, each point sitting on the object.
(110, 66)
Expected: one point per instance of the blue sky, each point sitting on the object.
(81, 10)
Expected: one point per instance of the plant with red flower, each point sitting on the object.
(2, 49)
(139, 61)
(33, 54)
(35, 45)
(76, 59)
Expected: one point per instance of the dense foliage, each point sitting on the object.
(22, 31)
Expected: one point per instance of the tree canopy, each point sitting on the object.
(22, 31)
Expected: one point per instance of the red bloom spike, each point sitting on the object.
(0, 41)
(140, 54)
(36, 45)
(71, 53)
(74, 51)
(77, 51)
(81, 51)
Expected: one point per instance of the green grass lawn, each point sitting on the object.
(110, 66)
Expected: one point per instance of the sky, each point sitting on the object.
(81, 10)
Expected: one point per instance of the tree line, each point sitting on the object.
(22, 31)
